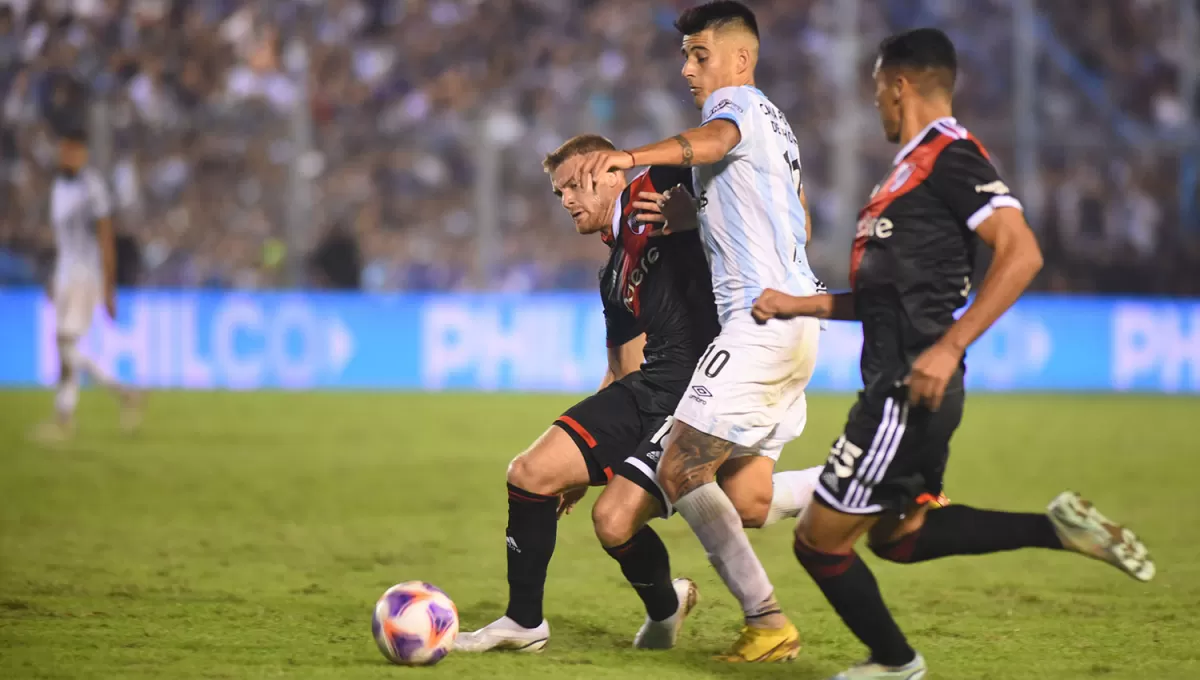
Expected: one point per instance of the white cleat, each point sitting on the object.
(1082, 528)
(869, 670)
(52, 433)
(663, 634)
(504, 634)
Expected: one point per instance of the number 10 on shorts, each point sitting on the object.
(843, 457)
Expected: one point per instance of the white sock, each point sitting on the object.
(67, 397)
(793, 492)
(719, 527)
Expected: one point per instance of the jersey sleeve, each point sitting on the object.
(733, 104)
(98, 197)
(968, 183)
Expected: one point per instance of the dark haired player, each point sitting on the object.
(910, 271)
(660, 317)
(85, 261)
(746, 398)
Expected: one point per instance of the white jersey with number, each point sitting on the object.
(76, 204)
(749, 386)
(751, 219)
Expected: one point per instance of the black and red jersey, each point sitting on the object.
(914, 250)
(660, 286)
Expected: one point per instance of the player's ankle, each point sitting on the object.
(772, 621)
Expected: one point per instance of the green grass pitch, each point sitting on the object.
(247, 535)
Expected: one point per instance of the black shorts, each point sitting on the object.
(618, 437)
(892, 455)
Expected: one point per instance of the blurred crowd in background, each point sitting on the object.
(203, 100)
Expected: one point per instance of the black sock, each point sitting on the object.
(532, 530)
(851, 588)
(647, 567)
(963, 530)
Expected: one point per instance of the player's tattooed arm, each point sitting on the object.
(688, 154)
(704, 145)
(691, 460)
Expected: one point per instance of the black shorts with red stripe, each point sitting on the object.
(619, 436)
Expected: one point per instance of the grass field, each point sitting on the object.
(248, 535)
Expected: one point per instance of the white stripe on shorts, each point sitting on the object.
(887, 452)
(855, 488)
(645, 470)
(883, 435)
(895, 445)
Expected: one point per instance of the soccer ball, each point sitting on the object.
(415, 624)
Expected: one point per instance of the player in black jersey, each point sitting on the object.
(660, 317)
(911, 270)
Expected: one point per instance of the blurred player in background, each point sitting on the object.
(85, 262)
(746, 397)
(660, 317)
(911, 269)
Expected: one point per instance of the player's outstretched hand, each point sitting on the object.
(931, 372)
(596, 163)
(674, 210)
(570, 497)
(772, 304)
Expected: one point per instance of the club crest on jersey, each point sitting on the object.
(900, 175)
(638, 228)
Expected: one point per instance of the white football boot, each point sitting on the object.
(1082, 528)
(868, 670)
(663, 634)
(504, 634)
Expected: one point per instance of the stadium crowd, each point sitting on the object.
(202, 99)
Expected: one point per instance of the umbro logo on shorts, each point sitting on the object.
(701, 390)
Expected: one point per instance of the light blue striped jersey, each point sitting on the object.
(751, 219)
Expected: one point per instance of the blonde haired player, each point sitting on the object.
(84, 275)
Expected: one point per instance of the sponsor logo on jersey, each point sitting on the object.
(879, 227)
(654, 455)
(999, 188)
(634, 281)
(512, 544)
(701, 390)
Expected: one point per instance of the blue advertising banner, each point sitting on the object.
(544, 342)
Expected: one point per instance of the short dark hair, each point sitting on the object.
(576, 146)
(716, 14)
(67, 107)
(922, 50)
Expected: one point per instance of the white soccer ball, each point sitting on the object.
(415, 624)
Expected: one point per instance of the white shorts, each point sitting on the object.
(749, 386)
(75, 301)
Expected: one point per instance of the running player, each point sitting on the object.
(746, 397)
(910, 271)
(660, 316)
(85, 265)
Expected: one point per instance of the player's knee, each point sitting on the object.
(614, 524)
(525, 474)
(752, 508)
